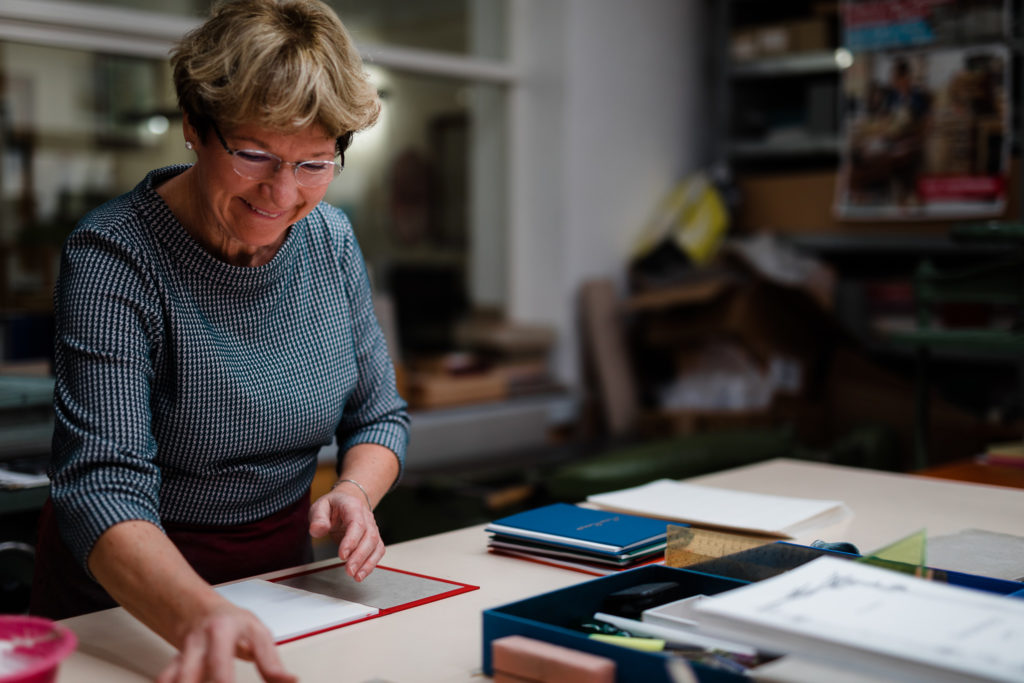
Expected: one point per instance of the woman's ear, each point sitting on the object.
(189, 131)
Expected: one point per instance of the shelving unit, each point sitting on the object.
(786, 160)
(782, 149)
(777, 105)
(796, 64)
(814, 75)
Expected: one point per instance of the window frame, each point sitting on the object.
(148, 34)
(142, 33)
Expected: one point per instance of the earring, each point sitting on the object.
(188, 144)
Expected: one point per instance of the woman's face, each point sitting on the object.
(245, 215)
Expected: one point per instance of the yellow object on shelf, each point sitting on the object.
(692, 216)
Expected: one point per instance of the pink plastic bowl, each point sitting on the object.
(32, 648)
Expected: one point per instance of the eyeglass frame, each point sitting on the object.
(233, 153)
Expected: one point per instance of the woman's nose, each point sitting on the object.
(283, 187)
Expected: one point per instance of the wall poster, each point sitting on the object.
(926, 123)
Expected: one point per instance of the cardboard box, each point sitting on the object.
(785, 38)
(440, 390)
(772, 40)
(743, 45)
(808, 35)
(801, 202)
(787, 202)
(765, 318)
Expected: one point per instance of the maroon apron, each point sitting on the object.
(62, 589)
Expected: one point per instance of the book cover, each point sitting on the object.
(324, 597)
(598, 530)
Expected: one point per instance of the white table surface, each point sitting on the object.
(441, 641)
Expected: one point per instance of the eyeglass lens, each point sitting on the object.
(259, 165)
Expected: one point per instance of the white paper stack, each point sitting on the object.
(883, 623)
(725, 509)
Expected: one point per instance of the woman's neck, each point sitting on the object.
(177, 193)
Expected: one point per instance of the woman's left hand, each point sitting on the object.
(347, 517)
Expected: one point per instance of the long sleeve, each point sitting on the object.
(375, 413)
(103, 468)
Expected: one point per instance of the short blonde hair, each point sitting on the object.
(280, 64)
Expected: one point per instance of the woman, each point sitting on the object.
(214, 330)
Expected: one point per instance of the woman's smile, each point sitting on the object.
(260, 212)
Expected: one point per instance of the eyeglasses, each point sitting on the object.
(255, 164)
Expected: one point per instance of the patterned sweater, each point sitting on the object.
(195, 391)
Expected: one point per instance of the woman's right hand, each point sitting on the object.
(141, 569)
(211, 644)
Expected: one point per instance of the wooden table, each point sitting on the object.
(441, 641)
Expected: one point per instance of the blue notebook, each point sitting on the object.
(596, 530)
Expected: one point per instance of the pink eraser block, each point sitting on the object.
(547, 663)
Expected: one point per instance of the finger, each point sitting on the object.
(371, 563)
(170, 672)
(351, 536)
(265, 655)
(190, 660)
(378, 554)
(355, 566)
(362, 559)
(220, 654)
(319, 518)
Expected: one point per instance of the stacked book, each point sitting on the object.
(596, 542)
(1005, 454)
